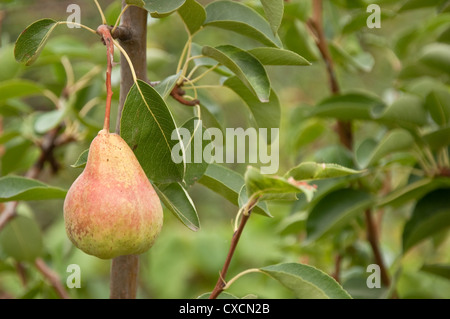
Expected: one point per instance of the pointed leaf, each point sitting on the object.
(13, 188)
(349, 106)
(178, 201)
(149, 129)
(436, 56)
(223, 295)
(430, 215)
(18, 88)
(438, 104)
(406, 110)
(440, 270)
(413, 191)
(297, 38)
(276, 56)
(166, 86)
(48, 120)
(370, 152)
(193, 15)
(438, 139)
(194, 146)
(240, 18)
(22, 239)
(274, 13)
(334, 211)
(32, 40)
(246, 67)
(264, 115)
(266, 187)
(226, 183)
(314, 171)
(162, 8)
(243, 199)
(306, 282)
(82, 160)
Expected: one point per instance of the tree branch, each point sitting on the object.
(52, 277)
(234, 241)
(315, 24)
(372, 237)
(124, 269)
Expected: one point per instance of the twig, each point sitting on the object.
(104, 31)
(337, 267)
(52, 277)
(47, 146)
(234, 241)
(316, 26)
(372, 237)
(124, 277)
(133, 48)
(177, 93)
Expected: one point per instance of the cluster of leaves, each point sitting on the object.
(404, 156)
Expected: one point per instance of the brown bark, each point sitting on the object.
(125, 269)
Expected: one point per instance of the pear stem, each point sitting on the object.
(104, 31)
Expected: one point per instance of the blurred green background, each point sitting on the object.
(182, 263)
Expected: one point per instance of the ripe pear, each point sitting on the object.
(112, 209)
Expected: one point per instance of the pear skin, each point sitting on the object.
(112, 208)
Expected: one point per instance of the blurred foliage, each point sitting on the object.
(394, 88)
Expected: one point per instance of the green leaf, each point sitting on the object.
(193, 15)
(162, 8)
(243, 200)
(137, 3)
(274, 13)
(437, 269)
(276, 56)
(22, 239)
(438, 104)
(18, 88)
(418, 4)
(312, 170)
(226, 183)
(334, 211)
(413, 191)
(407, 110)
(166, 86)
(178, 201)
(263, 115)
(10, 68)
(436, 56)
(13, 188)
(438, 138)
(348, 106)
(430, 215)
(362, 61)
(223, 295)
(32, 40)
(48, 120)
(246, 67)
(267, 187)
(82, 159)
(305, 132)
(148, 126)
(298, 39)
(195, 162)
(306, 282)
(370, 152)
(240, 18)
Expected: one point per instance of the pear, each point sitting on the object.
(112, 209)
